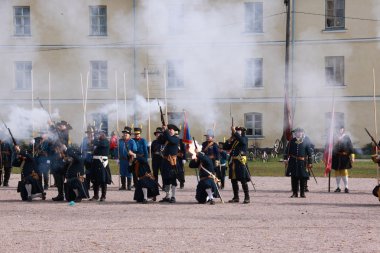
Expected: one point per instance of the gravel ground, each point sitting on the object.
(272, 222)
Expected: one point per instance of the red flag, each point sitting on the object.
(327, 155)
(288, 122)
(186, 131)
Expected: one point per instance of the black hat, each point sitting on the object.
(137, 130)
(64, 123)
(127, 130)
(158, 130)
(241, 128)
(174, 127)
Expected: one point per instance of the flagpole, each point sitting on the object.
(375, 114)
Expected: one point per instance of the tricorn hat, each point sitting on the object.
(64, 123)
(158, 130)
(137, 130)
(174, 127)
(127, 130)
(241, 128)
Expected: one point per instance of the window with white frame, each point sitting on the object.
(23, 75)
(176, 19)
(175, 75)
(22, 20)
(334, 70)
(98, 20)
(253, 73)
(253, 17)
(335, 14)
(253, 122)
(99, 77)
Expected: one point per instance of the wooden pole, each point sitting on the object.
(32, 84)
(148, 98)
(166, 101)
(375, 117)
(125, 100)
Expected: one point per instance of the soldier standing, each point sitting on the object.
(156, 153)
(181, 161)
(87, 150)
(169, 162)
(238, 163)
(141, 151)
(127, 149)
(100, 166)
(342, 159)
(298, 159)
(6, 154)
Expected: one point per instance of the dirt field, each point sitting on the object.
(272, 222)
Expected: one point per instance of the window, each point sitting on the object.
(23, 75)
(253, 17)
(99, 77)
(254, 124)
(334, 69)
(98, 20)
(175, 19)
(22, 20)
(253, 73)
(175, 74)
(335, 14)
(101, 121)
(175, 118)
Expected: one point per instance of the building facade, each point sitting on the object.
(108, 63)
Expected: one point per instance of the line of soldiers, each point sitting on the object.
(77, 169)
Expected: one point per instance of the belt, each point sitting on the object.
(342, 153)
(99, 157)
(301, 158)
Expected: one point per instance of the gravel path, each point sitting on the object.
(272, 222)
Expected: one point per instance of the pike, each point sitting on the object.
(10, 133)
(162, 114)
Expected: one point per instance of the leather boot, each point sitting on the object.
(7, 175)
(302, 187)
(123, 180)
(129, 181)
(104, 191)
(235, 189)
(246, 192)
(96, 191)
(1, 177)
(294, 182)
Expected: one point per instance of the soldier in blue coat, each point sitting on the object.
(211, 149)
(87, 150)
(126, 154)
(206, 187)
(169, 162)
(298, 158)
(156, 153)
(181, 161)
(238, 163)
(146, 186)
(6, 153)
(30, 186)
(141, 152)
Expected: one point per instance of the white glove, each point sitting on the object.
(217, 163)
(134, 155)
(183, 162)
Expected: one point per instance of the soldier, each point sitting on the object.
(100, 167)
(181, 161)
(211, 149)
(58, 169)
(113, 145)
(142, 150)
(126, 153)
(156, 153)
(43, 151)
(206, 186)
(29, 186)
(238, 163)
(146, 186)
(87, 150)
(298, 159)
(342, 158)
(75, 188)
(6, 152)
(169, 162)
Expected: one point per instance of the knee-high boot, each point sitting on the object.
(235, 189)
(95, 187)
(7, 175)
(294, 182)
(129, 182)
(302, 187)
(104, 192)
(123, 181)
(244, 185)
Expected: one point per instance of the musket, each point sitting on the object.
(373, 140)
(217, 181)
(42, 106)
(162, 114)
(10, 133)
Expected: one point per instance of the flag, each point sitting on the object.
(288, 122)
(327, 155)
(186, 131)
